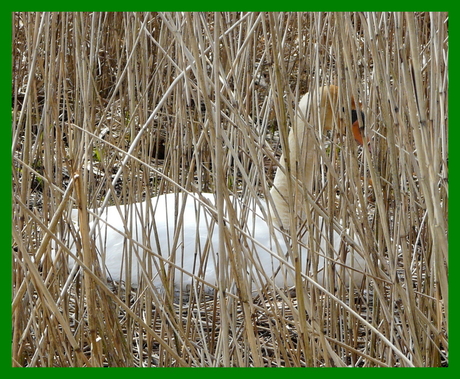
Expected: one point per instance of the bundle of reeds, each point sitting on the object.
(113, 108)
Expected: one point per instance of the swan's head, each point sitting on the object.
(320, 108)
(328, 97)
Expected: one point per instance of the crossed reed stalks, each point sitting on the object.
(114, 108)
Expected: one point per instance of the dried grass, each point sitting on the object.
(113, 108)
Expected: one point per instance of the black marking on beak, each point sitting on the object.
(354, 117)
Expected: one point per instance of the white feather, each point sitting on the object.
(165, 229)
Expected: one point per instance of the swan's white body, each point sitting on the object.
(166, 230)
(192, 243)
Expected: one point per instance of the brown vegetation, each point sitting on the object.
(113, 108)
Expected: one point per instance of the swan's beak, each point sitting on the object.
(357, 133)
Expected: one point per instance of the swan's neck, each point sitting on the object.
(288, 193)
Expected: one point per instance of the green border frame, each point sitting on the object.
(5, 188)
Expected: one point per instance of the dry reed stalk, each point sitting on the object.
(142, 104)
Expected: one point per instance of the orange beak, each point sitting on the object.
(355, 127)
(357, 133)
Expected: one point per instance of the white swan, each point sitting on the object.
(182, 228)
